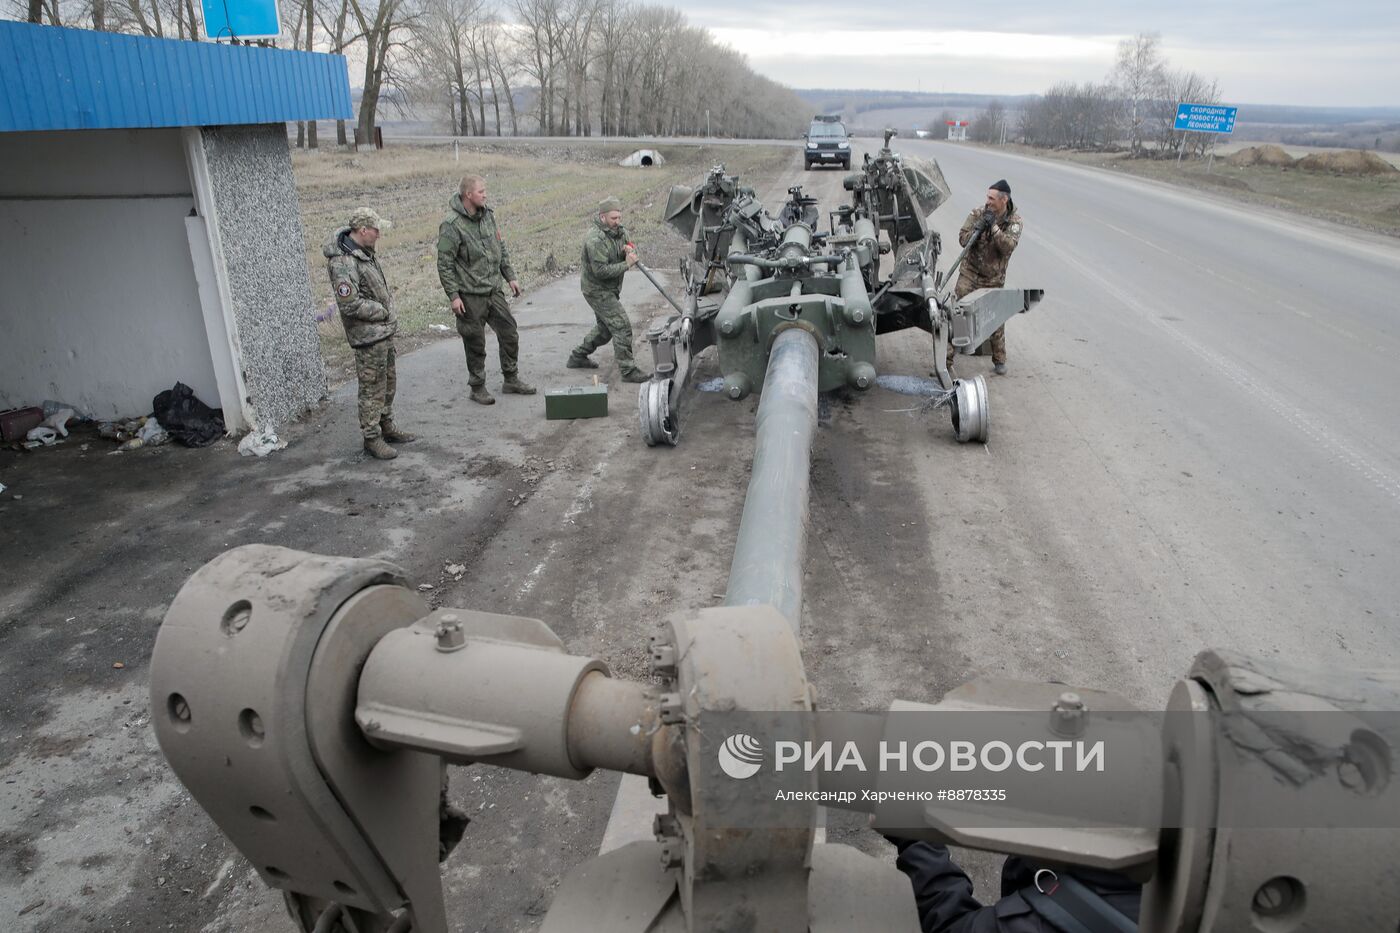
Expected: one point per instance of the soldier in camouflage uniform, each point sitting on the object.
(985, 264)
(606, 256)
(474, 266)
(362, 296)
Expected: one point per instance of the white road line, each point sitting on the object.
(224, 869)
(1329, 443)
(581, 503)
(1356, 241)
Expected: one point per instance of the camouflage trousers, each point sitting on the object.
(492, 311)
(612, 324)
(374, 370)
(998, 339)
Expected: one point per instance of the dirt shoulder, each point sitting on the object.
(1367, 202)
(543, 194)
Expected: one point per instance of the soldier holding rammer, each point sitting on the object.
(985, 265)
(474, 269)
(362, 297)
(606, 257)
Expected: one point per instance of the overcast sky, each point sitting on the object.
(1280, 52)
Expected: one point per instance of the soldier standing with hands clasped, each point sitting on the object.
(998, 229)
(362, 297)
(474, 268)
(606, 257)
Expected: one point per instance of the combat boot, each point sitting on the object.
(376, 448)
(635, 375)
(390, 432)
(514, 386)
(580, 362)
(481, 396)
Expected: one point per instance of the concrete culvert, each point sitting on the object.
(644, 158)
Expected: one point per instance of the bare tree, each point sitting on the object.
(1181, 87)
(445, 55)
(541, 52)
(498, 61)
(990, 124)
(379, 27)
(1139, 75)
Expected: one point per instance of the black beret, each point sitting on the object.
(1001, 186)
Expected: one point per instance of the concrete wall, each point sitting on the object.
(98, 301)
(264, 254)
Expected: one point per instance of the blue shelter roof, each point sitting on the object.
(76, 79)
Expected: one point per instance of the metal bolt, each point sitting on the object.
(672, 711)
(1068, 714)
(450, 636)
(663, 657)
(664, 826)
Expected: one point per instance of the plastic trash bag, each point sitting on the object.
(189, 421)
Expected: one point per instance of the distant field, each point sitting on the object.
(1371, 203)
(544, 197)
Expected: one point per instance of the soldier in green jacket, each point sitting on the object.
(606, 256)
(362, 297)
(474, 266)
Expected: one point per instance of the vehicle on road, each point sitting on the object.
(828, 143)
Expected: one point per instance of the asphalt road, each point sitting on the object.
(1196, 446)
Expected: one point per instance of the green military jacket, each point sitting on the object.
(472, 258)
(604, 259)
(985, 265)
(361, 291)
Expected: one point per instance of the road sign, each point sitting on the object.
(241, 19)
(1205, 118)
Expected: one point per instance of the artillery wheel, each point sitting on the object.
(659, 425)
(970, 415)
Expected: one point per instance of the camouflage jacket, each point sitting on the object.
(985, 265)
(472, 258)
(604, 259)
(361, 291)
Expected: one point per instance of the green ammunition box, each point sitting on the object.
(576, 402)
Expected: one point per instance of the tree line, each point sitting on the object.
(503, 67)
(1135, 106)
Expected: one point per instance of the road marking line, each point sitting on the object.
(224, 869)
(1330, 443)
(581, 503)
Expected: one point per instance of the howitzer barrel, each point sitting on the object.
(767, 565)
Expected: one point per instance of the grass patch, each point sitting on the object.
(544, 199)
(1367, 202)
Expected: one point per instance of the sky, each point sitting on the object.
(1314, 53)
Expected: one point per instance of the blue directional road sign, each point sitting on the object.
(241, 19)
(1205, 118)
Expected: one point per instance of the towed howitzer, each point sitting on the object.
(749, 277)
(310, 704)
